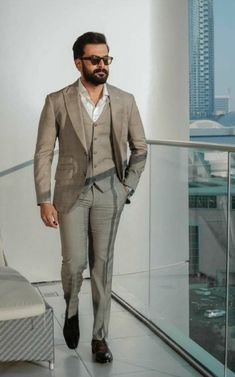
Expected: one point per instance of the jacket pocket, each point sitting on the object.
(63, 173)
(64, 168)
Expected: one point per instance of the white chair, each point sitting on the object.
(26, 320)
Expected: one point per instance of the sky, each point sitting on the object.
(224, 29)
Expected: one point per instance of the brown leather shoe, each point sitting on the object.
(71, 330)
(101, 351)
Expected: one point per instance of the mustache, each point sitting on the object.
(98, 70)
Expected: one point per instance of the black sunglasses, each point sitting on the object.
(94, 59)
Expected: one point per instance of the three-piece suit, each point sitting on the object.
(91, 177)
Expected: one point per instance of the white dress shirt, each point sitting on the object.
(93, 110)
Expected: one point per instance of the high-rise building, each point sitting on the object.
(222, 105)
(201, 59)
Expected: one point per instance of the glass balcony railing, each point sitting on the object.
(186, 286)
(175, 249)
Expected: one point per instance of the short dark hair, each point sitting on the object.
(87, 38)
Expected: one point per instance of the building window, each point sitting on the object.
(233, 202)
(193, 250)
(203, 201)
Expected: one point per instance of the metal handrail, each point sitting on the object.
(23, 165)
(193, 144)
(170, 143)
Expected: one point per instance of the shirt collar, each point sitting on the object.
(83, 91)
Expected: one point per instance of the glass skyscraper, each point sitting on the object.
(201, 59)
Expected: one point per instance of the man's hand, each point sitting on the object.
(49, 215)
(129, 190)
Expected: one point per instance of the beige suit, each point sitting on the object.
(89, 211)
(61, 117)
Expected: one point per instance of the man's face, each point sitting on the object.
(94, 74)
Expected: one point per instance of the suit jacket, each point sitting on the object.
(61, 118)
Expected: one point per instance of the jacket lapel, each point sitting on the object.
(73, 106)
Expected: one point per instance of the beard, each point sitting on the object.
(93, 78)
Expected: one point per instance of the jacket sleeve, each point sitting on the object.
(138, 148)
(47, 134)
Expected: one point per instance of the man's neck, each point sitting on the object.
(94, 91)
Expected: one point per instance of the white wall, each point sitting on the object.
(36, 58)
(168, 118)
(168, 115)
(148, 39)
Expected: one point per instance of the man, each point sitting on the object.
(94, 123)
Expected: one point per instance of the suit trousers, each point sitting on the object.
(90, 229)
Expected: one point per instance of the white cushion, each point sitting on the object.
(18, 298)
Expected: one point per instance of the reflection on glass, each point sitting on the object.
(208, 193)
(188, 280)
(187, 295)
(231, 274)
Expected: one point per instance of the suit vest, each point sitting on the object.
(101, 166)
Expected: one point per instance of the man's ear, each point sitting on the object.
(78, 64)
